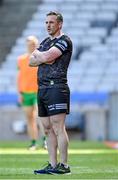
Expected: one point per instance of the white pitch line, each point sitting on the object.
(71, 151)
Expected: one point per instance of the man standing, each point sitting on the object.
(27, 88)
(53, 58)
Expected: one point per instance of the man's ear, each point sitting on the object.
(60, 25)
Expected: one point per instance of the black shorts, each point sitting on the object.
(52, 101)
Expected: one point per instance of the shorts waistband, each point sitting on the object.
(53, 86)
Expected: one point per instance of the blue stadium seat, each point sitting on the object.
(89, 97)
(8, 99)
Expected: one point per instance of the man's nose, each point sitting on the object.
(48, 25)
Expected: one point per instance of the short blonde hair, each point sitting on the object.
(33, 39)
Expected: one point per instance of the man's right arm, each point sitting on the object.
(48, 56)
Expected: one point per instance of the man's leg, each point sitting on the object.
(51, 140)
(31, 122)
(58, 124)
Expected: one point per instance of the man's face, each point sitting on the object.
(52, 25)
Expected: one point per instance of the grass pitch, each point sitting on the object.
(88, 160)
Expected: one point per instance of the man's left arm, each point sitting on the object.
(48, 56)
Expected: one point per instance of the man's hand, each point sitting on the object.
(20, 99)
(35, 58)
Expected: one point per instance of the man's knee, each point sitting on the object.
(47, 129)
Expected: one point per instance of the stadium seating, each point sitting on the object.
(11, 12)
(93, 28)
(92, 75)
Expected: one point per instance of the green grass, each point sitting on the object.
(88, 160)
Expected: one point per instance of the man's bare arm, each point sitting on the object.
(38, 57)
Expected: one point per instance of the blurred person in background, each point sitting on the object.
(27, 88)
(53, 58)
